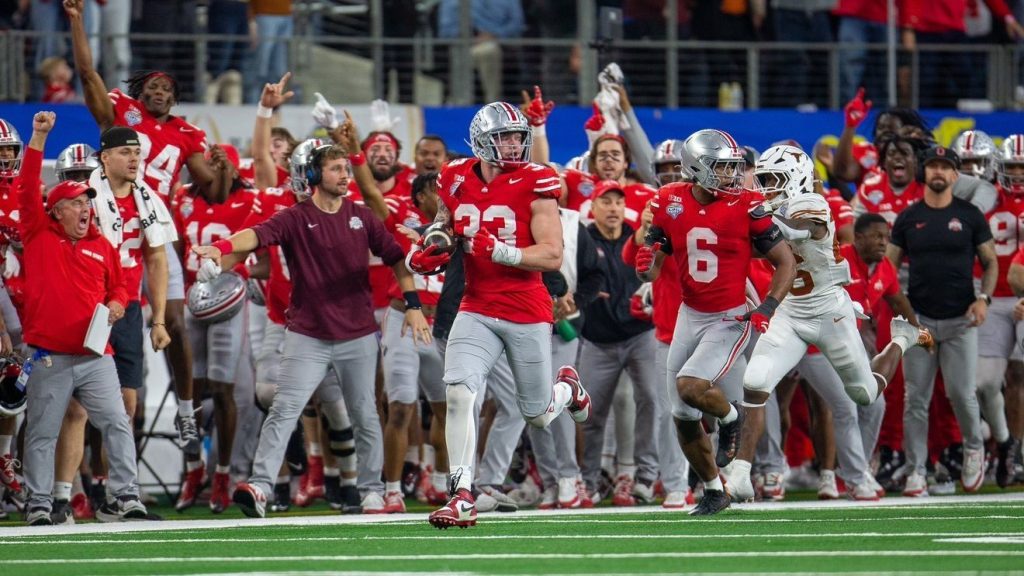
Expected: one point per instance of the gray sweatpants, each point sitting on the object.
(600, 368)
(304, 366)
(957, 354)
(819, 373)
(554, 447)
(93, 382)
(673, 464)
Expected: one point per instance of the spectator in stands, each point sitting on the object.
(492, 21)
(228, 56)
(400, 20)
(46, 21)
(13, 14)
(724, 20)
(804, 21)
(861, 22)
(56, 75)
(941, 290)
(176, 58)
(107, 22)
(274, 29)
(556, 19)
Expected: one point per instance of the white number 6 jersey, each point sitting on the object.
(821, 270)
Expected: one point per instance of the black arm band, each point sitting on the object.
(412, 300)
(769, 305)
(767, 240)
(656, 234)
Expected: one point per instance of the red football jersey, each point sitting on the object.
(666, 292)
(246, 170)
(868, 286)
(165, 146)
(1006, 220)
(711, 244)
(201, 223)
(268, 202)
(504, 208)
(842, 212)
(876, 196)
(10, 233)
(404, 213)
(131, 246)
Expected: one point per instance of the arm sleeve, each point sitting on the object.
(898, 235)
(274, 230)
(629, 252)
(117, 291)
(555, 282)
(33, 215)
(640, 146)
(382, 243)
(590, 275)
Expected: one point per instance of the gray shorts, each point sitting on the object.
(409, 366)
(475, 344)
(1000, 335)
(216, 348)
(705, 346)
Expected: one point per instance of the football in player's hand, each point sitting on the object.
(441, 237)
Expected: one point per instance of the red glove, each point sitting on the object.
(428, 261)
(637, 310)
(645, 257)
(760, 317)
(596, 122)
(482, 244)
(537, 111)
(857, 109)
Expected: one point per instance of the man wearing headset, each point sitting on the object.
(330, 318)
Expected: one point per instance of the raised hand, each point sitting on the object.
(324, 114)
(856, 110)
(74, 8)
(536, 110)
(43, 122)
(274, 94)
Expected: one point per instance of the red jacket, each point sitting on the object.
(921, 15)
(64, 279)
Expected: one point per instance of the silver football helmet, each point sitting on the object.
(715, 161)
(76, 162)
(13, 398)
(977, 154)
(489, 123)
(9, 138)
(669, 152)
(217, 300)
(1011, 157)
(782, 173)
(299, 165)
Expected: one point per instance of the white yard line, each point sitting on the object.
(490, 556)
(941, 536)
(994, 501)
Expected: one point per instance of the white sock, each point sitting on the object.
(332, 471)
(185, 407)
(222, 469)
(715, 484)
(5, 445)
(460, 434)
(314, 449)
(62, 490)
(429, 456)
(440, 481)
(731, 416)
(348, 481)
(390, 487)
(627, 470)
(561, 396)
(193, 464)
(286, 479)
(412, 454)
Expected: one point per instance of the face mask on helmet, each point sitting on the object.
(977, 152)
(299, 165)
(781, 173)
(11, 150)
(1011, 164)
(76, 163)
(668, 160)
(715, 162)
(500, 135)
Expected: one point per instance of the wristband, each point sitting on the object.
(769, 305)
(539, 130)
(158, 324)
(264, 112)
(357, 159)
(986, 298)
(412, 300)
(224, 246)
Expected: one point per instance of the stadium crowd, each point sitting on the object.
(715, 323)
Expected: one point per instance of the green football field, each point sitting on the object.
(937, 535)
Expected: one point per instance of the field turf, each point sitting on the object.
(980, 534)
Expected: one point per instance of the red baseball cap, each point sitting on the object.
(66, 190)
(605, 186)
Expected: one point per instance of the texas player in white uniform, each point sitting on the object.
(817, 311)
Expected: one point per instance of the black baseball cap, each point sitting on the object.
(940, 153)
(117, 136)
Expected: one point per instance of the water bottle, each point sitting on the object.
(566, 330)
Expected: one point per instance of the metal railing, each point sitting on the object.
(665, 73)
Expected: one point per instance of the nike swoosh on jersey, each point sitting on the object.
(311, 226)
(514, 180)
(237, 204)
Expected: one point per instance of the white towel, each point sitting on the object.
(154, 217)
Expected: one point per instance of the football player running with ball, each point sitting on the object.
(504, 210)
(817, 311)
